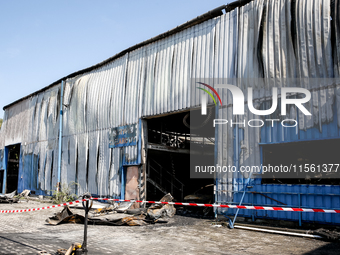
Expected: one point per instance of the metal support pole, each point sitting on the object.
(231, 224)
(60, 134)
(86, 208)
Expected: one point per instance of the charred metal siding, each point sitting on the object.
(281, 39)
(151, 80)
(32, 123)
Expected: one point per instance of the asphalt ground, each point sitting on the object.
(28, 233)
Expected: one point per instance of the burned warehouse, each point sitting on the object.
(149, 120)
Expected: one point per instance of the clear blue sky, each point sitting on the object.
(43, 41)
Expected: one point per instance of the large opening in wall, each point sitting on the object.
(310, 162)
(12, 168)
(168, 161)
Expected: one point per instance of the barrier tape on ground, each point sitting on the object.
(225, 206)
(286, 209)
(42, 208)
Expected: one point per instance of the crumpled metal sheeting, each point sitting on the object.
(65, 216)
(9, 195)
(155, 214)
(157, 211)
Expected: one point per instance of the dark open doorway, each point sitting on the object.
(170, 146)
(12, 168)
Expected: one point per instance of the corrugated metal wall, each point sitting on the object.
(281, 39)
(32, 122)
(272, 39)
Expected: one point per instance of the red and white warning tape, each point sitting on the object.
(286, 209)
(226, 206)
(41, 208)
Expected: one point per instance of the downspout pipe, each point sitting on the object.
(60, 134)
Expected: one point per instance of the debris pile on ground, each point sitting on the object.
(105, 210)
(158, 211)
(12, 198)
(65, 216)
(9, 198)
(331, 235)
(119, 215)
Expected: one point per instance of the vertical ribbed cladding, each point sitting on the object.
(93, 105)
(171, 63)
(248, 72)
(118, 91)
(116, 116)
(134, 85)
(32, 122)
(203, 58)
(314, 55)
(311, 59)
(103, 165)
(40, 147)
(162, 81)
(225, 67)
(80, 97)
(68, 138)
(134, 90)
(148, 101)
(91, 127)
(14, 123)
(48, 157)
(181, 70)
